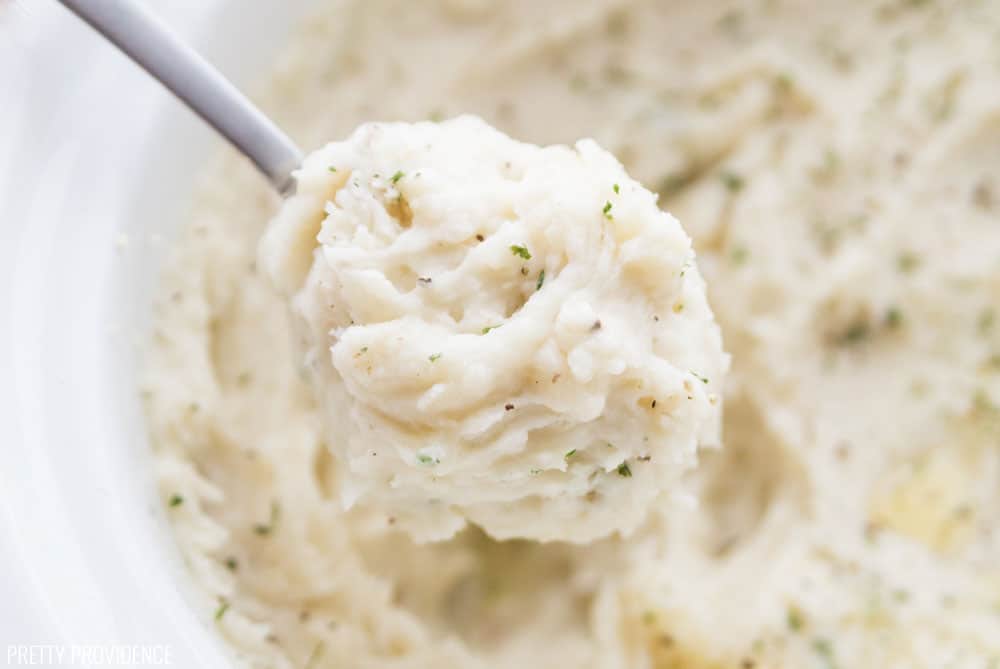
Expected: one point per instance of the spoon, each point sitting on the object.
(155, 48)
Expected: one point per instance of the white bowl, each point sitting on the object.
(96, 167)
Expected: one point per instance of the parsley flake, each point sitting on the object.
(855, 333)
(616, 189)
(907, 262)
(733, 182)
(175, 500)
(315, 655)
(521, 251)
(607, 211)
(264, 529)
(435, 357)
(985, 321)
(221, 611)
(624, 470)
(425, 459)
(541, 280)
(570, 453)
(578, 82)
(486, 329)
(794, 619)
(824, 649)
(396, 177)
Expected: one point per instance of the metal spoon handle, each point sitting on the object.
(151, 44)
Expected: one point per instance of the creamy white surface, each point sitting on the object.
(835, 164)
(499, 333)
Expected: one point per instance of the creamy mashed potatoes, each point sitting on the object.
(499, 332)
(836, 166)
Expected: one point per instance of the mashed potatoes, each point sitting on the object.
(835, 164)
(500, 332)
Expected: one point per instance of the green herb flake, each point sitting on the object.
(731, 22)
(784, 83)
(435, 357)
(616, 73)
(315, 655)
(221, 610)
(607, 211)
(893, 318)
(520, 251)
(231, 563)
(855, 333)
(827, 168)
(331, 169)
(617, 189)
(907, 262)
(824, 648)
(175, 500)
(986, 320)
(541, 280)
(739, 254)
(536, 472)
(265, 529)
(617, 24)
(699, 377)
(624, 470)
(396, 177)
(733, 182)
(570, 453)
(794, 619)
(425, 459)
(981, 402)
(486, 329)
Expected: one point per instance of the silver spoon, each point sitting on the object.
(151, 44)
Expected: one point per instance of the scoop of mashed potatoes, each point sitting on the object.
(499, 333)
